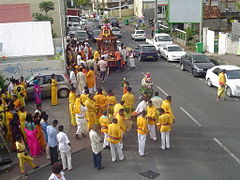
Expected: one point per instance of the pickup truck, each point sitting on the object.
(159, 40)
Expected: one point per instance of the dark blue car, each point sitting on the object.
(146, 52)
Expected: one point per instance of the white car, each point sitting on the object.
(232, 78)
(116, 31)
(172, 52)
(139, 35)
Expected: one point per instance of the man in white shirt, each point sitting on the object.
(142, 106)
(81, 121)
(97, 147)
(91, 62)
(64, 148)
(73, 77)
(11, 87)
(78, 59)
(103, 68)
(81, 81)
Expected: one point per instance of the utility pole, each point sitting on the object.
(201, 23)
(226, 4)
(120, 9)
(156, 16)
(97, 8)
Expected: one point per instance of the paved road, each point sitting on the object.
(205, 138)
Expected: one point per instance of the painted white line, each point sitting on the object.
(236, 99)
(178, 66)
(190, 116)
(143, 73)
(166, 94)
(200, 79)
(227, 150)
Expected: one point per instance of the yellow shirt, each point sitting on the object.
(72, 97)
(101, 101)
(96, 55)
(117, 107)
(114, 133)
(84, 97)
(222, 79)
(165, 122)
(121, 122)
(111, 100)
(90, 105)
(151, 114)
(166, 106)
(77, 106)
(128, 99)
(104, 122)
(142, 125)
(91, 81)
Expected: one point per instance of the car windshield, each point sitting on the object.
(148, 49)
(115, 29)
(164, 38)
(73, 28)
(139, 32)
(81, 35)
(174, 48)
(200, 59)
(233, 74)
(74, 19)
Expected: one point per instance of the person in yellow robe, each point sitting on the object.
(121, 122)
(21, 95)
(129, 100)
(54, 98)
(101, 103)
(117, 107)
(111, 102)
(222, 85)
(114, 138)
(84, 96)
(22, 117)
(151, 120)
(104, 122)
(9, 117)
(96, 56)
(90, 114)
(164, 123)
(72, 98)
(166, 106)
(142, 130)
(91, 79)
(22, 155)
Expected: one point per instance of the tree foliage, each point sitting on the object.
(41, 17)
(3, 85)
(81, 2)
(46, 6)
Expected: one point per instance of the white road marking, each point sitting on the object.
(236, 99)
(190, 116)
(178, 66)
(227, 150)
(166, 94)
(143, 73)
(200, 79)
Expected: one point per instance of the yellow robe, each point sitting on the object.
(83, 98)
(142, 125)
(104, 122)
(72, 98)
(121, 122)
(166, 106)
(117, 107)
(129, 100)
(22, 118)
(151, 115)
(91, 80)
(96, 56)
(111, 101)
(165, 122)
(54, 99)
(90, 114)
(114, 133)
(222, 85)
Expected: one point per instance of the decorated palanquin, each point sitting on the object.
(107, 45)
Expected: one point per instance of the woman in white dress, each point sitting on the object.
(57, 173)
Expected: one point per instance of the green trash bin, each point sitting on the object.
(157, 31)
(199, 47)
(126, 21)
(215, 46)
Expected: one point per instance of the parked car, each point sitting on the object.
(116, 31)
(172, 52)
(83, 20)
(159, 40)
(146, 52)
(197, 64)
(73, 20)
(72, 30)
(81, 35)
(232, 78)
(114, 22)
(64, 85)
(139, 35)
(95, 35)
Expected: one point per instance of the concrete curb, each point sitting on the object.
(43, 166)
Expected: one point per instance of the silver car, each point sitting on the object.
(64, 85)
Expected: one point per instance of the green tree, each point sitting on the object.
(41, 17)
(46, 6)
(3, 85)
(81, 2)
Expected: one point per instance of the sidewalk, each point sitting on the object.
(228, 59)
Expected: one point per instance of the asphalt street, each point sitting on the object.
(205, 138)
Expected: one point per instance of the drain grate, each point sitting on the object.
(150, 174)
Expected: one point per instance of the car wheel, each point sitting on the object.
(229, 91)
(209, 82)
(63, 93)
(194, 75)
(182, 67)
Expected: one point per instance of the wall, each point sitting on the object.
(125, 13)
(232, 46)
(210, 41)
(34, 4)
(27, 69)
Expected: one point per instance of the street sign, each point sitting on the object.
(185, 11)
